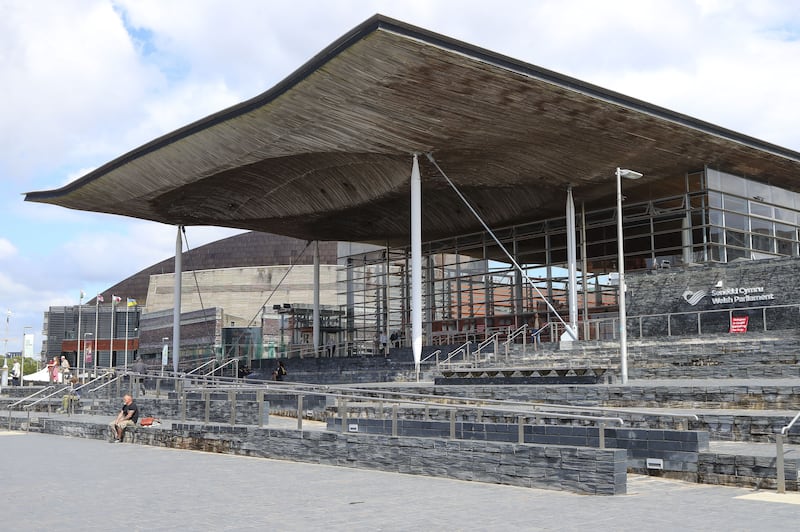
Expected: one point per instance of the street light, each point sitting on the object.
(623, 328)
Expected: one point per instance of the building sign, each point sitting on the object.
(27, 345)
(739, 324)
(726, 296)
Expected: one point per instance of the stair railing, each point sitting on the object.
(779, 466)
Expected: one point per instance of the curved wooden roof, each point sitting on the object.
(326, 153)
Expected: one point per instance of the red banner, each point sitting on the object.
(739, 324)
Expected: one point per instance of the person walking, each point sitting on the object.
(15, 374)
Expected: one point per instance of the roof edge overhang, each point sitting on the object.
(381, 22)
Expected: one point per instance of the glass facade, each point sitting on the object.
(750, 220)
(471, 288)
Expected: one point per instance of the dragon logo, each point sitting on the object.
(693, 298)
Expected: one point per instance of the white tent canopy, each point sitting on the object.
(40, 376)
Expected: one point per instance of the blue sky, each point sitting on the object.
(85, 81)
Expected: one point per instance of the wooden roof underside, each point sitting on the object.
(326, 154)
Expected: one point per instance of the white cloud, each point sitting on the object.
(88, 80)
(7, 249)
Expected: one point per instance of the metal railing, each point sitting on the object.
(693, 322)
(513, 335)
(779, 465)
(344, 396)
(434, 355)
(201, 366)
(463, 349)
(27, 398)
(491, 340)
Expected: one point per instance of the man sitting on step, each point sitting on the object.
(127, 417)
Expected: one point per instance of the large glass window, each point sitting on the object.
(762, 235)
(758, 219)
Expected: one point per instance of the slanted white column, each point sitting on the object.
(176, 309)
(572, 283)
(416, 264)
(315, 329)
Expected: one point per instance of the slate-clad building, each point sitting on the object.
(490, 190)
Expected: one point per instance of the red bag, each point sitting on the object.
(148, 421)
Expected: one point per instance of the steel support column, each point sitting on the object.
(416, 264)
(176, 310)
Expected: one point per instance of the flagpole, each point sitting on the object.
(96, 322)
(127, 306)
(78, 336)
(111, 344)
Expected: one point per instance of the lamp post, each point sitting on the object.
(78, 334)
(623, 328)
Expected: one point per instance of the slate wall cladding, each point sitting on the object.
(751, 395)
(758, 472)
(580, 470)
(677, 448)
(662, 291)
(333, 449)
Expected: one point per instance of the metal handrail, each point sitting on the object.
(118, 377)
(97, 378)
(490, 340)
(48, 396)
(788, 427)
(779, 466)
(463, 348)
(453, 398)
(233, 361)
(431, 355)
(368, 396)
(26, 398)
(12, 405)
(201, 366)
(512, 335)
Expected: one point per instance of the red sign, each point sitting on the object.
(739, 324)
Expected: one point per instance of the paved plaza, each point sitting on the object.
(59, 483)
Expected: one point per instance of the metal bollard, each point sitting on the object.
(207, 397)
(380, 410)
(520, 429)
(394, 421)
(300, 412)
(453, 424)
(158, 387)
(183, 406)
(602, 432)
(232, 399)
(343, 414)
(260, 401)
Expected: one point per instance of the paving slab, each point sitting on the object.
(57, 483)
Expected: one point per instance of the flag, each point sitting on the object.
(83, 294)
(115, 299)
(100, 298)
(132, 302)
